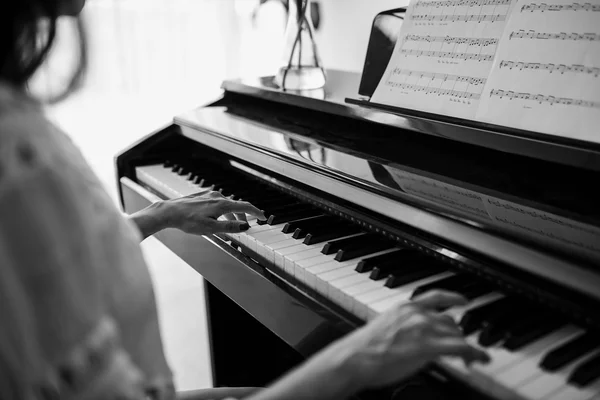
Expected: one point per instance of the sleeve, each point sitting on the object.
(58, 336)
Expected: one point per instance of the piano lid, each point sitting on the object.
(551, 206)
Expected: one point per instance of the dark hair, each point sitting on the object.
(27, 33)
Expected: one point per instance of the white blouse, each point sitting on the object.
(77, 308)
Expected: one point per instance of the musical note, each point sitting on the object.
(561, 68)
(531, 34)
(460, 18)
(560, 7)
(448, 54)
(452, 39)
(541, 98)
(461, 94)
(444, 77)
(460, 3)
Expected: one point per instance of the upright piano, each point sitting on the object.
(368, 207)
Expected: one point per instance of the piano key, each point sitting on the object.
(333, 246)
(400, 278)
(365, 248)
(367, 264)
(527, 368)
(404, 264)
(570, 351)
(381, 300)
(546, 384)
(498, 325)
(292, 215)
(523, 335)
(324, 233)
(306, 223)
(474, 318)
(452, 284)
(586, 373)
(570, 392)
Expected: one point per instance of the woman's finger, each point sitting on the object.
(243, 207)
(438, 299)
(445, 330)
(230, 226)
(444, 319)
(458, 347)
(230, 217)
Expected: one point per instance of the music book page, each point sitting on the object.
(443, 56)
(526, 64)
(546, 76)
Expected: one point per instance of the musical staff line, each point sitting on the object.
(461, 94)
(561, 68)
(460, 18)
(452, 39)
(460, 3)
(542, 7)
(448, 54)
(531, 34)
(443, 77)
(542, 98)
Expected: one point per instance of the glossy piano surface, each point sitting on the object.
(547, 205)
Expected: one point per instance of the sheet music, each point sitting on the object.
(546, 76)
(443, 56)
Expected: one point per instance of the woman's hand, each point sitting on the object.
(401, 341)
(198, 214)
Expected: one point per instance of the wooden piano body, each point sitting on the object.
(516, 211)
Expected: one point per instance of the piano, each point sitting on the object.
(370, 206)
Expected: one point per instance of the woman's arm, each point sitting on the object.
(196, 214)
(150, 220)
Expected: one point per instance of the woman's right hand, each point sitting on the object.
(401, 341)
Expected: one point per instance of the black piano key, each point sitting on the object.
(182, 171)
(473, 319)
(305, 223)
(367, 264)
(283, 217)
(175, 167)
(570, 351)
(405, 263)
(450, 283)
(168, 164)
(363, 249)
(334, 245)
(498, 325)
(526, 334)
(471, 292)
(586, 373)
(397, 279)
(198, 180)
(326, 233)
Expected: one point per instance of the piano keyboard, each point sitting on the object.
(535, 354)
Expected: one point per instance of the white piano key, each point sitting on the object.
(270, 249)
(345, 268)
(528, 368)
(571, 392)
(363, 301)
(336, 287)
(312, 272)
(292, 260)
(302, 265)
(291, 251)
(504, 359)
(376, 305)
(547, 383)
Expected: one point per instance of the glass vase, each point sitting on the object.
(301, 67)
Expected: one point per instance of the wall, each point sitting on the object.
(344, 34)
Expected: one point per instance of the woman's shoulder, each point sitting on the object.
(29, 142)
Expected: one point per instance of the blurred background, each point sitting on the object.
(152, 59)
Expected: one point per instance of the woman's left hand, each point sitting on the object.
(199, 214)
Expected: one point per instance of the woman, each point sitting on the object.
(76, 302)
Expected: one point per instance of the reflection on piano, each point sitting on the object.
(367, 209)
